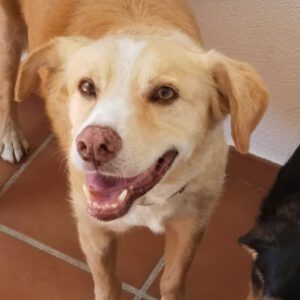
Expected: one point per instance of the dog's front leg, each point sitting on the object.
(182, 239)
(12, 42)
(99, 246)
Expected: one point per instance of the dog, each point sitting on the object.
(137, 105)
(274, 241)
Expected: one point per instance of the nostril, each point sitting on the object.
(82, 148)
(103, 148)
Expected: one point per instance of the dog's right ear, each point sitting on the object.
(50, 57)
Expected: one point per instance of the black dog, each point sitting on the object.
(275, 239)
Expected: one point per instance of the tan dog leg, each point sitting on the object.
(99, 247)
(12, 42)
(182, 239)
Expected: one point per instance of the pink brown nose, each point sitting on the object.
(98, 144)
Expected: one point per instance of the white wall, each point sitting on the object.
(265, 33)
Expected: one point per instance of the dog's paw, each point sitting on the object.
(13, 145)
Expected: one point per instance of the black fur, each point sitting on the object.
(276, 236)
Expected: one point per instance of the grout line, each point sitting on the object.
(129, 288)
(247, 183)
(42, 247)
(23, 167)
(60, 255)
(251, 184)
(153, 275)
(147, 297)
(148, 282)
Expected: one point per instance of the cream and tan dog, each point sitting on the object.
(137, 104)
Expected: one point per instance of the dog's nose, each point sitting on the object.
(98, 144)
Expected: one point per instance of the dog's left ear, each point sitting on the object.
(240, 92)
(49, 56)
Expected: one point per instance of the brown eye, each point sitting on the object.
(164, 95)
(87, 88)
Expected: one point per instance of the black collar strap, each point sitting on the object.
(180, 191)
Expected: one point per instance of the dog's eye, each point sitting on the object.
(87, 88)
(164, 95)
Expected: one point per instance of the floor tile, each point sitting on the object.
(127, 296)
(252, 169)
(139, 251)
(37, 205)
(35, 127)
(29, 274)
(221, 267)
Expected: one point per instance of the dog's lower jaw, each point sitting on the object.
(13, 145)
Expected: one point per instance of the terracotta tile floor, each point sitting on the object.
(40, 257)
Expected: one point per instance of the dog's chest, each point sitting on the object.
(152, 217)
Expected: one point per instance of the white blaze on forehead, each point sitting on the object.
(113, 109)
(129, 51)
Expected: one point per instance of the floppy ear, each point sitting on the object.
(241, 93)
(49, 56)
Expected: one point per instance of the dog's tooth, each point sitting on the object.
(114, 205)
(123, 195)
(99, 206)
(85, 190)
(106, 206)
(94, 204)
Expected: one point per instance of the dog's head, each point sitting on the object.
(274, 244)
(132, 111)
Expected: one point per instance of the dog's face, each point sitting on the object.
(139, 110)
(276, 265)
(139, 94)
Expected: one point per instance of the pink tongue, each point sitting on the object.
(99, 182)
(105, 188)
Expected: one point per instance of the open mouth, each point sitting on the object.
(110, 197)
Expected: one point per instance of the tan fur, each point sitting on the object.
(12, 43)
(79, 18)
(210, 85)
(240, 92)
(178, 259)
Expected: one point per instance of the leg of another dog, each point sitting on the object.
(183, 237)
(12, 42)
(99, 246)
